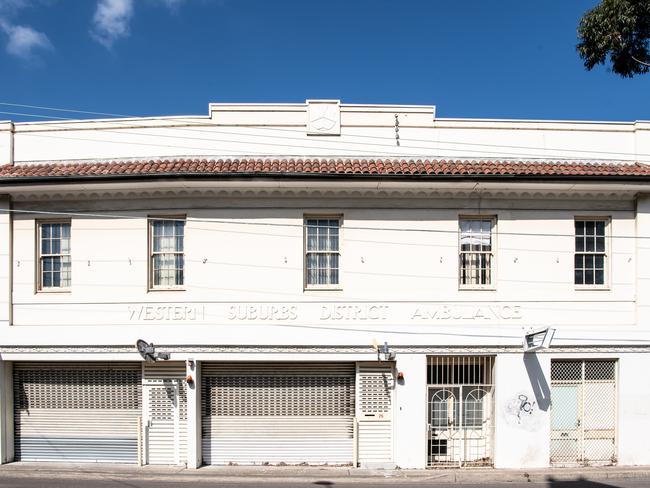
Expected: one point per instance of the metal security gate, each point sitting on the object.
(374, 414)
(278, 413)
(460, 410)
(77, 411)
(583, 412)
(165, 413)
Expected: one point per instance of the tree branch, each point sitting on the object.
(640, 62)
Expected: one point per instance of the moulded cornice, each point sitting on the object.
(326, 194)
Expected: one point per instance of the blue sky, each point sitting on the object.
(502, 59)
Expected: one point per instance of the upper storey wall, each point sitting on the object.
(308, 129)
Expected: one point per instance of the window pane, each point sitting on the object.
(65, 230)
(56, 231)
(322, 276)
(334, 277)
(590, 244)
(600, 228)
(165, 244)
(179, 227)
(56, 279)
(311, 269)
(599, 261)
(579, 261)
(311, 238)
(580, 243)
(46, 246)
(600, 244)
(322, 239)
(590, 228)
(65, 245)
(579, 277)
(55, 246)
(589, 277)
(599, 277)
(580, 227)
(465, 243)
(46, 231)
(47, 280)
(334, 243)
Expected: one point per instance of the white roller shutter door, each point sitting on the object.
(374, 416)
(77, 411)
(165, 413)
(277, 413)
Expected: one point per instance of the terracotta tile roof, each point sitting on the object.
(329, 167)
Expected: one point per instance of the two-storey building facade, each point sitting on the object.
(325, 284)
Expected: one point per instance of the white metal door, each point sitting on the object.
(292, 413)
(375, 383)
(460, 411)
(77, 411)
(583, 412)
(165, 413)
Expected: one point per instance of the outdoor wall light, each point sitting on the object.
(148, 351)
(384, 353)
(539, 338)
(189, 379)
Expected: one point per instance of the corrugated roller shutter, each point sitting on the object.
(289, 413)
(375, 426)
(77, 411)
(166, 412)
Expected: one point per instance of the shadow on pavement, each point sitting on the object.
(579, 483)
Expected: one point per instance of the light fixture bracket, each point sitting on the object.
(148, 351)
(538, 338)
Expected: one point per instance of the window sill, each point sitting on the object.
(477, 288)
(54, 291)
(592, 288)
(323, 288)
(166, 289)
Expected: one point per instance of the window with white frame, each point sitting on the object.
(167, 264)
(54, 259)
(590, 252)
(476, 251)
(322, 248)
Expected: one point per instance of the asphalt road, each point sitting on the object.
(40, 482)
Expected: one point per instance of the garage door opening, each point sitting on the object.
(278, 413)
(81, 412)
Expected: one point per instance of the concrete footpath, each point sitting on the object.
(316, 474)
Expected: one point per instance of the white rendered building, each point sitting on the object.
(330, 284)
